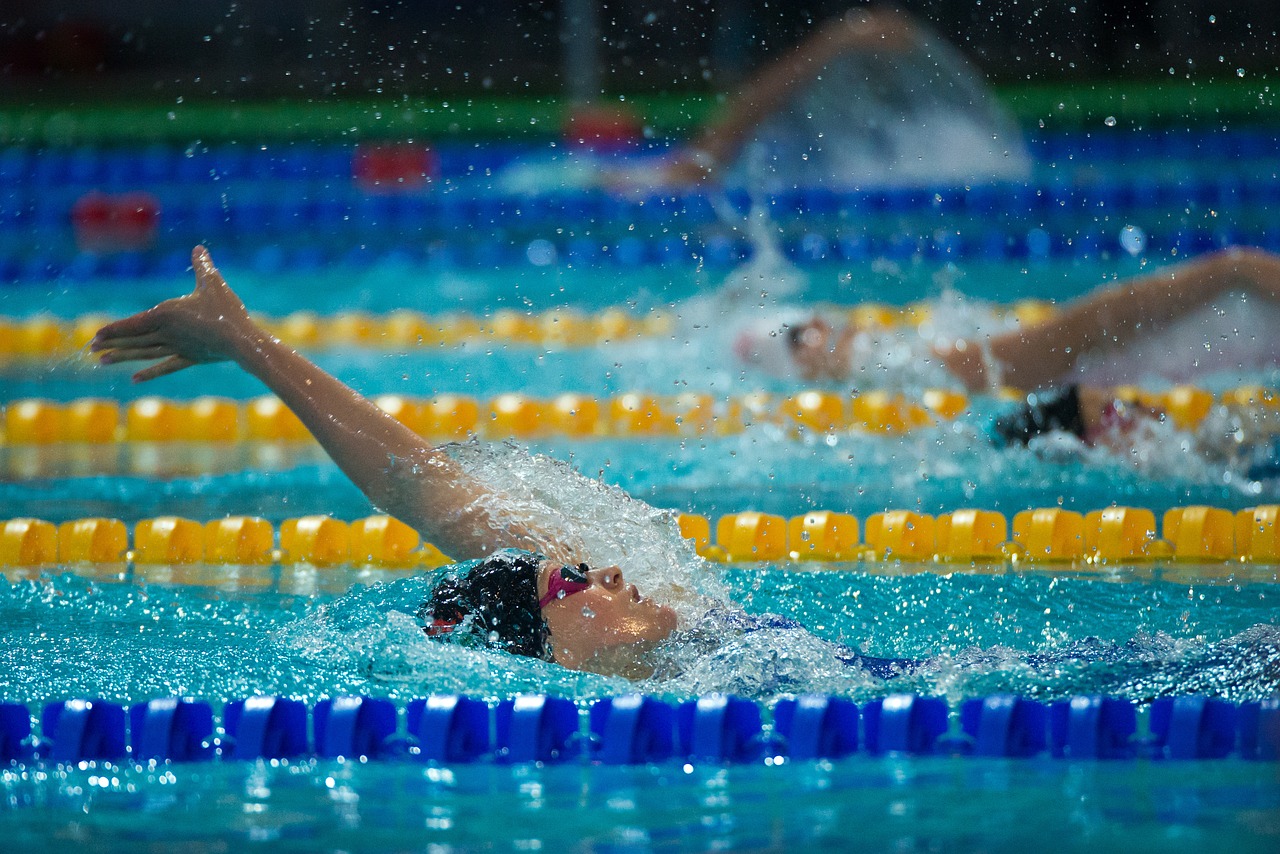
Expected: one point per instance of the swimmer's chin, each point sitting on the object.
(628, 661)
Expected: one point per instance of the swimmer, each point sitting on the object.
(720, 142)
(1072, 361)
(858, 110)
(525, 590)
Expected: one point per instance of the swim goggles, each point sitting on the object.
(565, 581)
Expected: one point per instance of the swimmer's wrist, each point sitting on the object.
(253, 347)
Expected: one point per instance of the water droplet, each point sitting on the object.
(1133, 239)
(1109, 121)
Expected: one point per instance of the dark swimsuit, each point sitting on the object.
(1044, 412)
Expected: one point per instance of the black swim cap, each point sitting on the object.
(492, 601)
(1044, 411)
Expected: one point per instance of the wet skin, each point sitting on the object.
(606, 628)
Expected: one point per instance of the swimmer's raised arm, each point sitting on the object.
(1115, 317)
(399, 471)
(859, 30)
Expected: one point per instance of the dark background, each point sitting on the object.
(312, 48)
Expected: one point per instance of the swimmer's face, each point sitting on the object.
(606, 625)
(810, 346)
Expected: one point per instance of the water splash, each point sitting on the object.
(913, 117)
(601, 524)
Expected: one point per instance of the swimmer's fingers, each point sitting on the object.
(139, 329)
(108, 340)
(171, 365)
(211, 299)
(207, 275)
(136, 354)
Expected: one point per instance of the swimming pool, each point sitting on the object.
(1137, 631)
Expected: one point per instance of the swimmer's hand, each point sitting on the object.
(885, 27)
(207, 325)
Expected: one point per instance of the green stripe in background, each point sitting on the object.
(1053, 106)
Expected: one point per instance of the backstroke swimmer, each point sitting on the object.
(1072, 361)
(527, 591)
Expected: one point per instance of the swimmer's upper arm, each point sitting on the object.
(465, 518)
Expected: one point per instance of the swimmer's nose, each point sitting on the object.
(608, 577)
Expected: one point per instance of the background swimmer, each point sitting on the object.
(1214, 312)
(869, 98)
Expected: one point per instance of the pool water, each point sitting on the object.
(920, 804)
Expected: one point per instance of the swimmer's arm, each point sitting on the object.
(398, 470)
(771, 88)
(1116, 316)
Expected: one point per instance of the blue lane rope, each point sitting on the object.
(987, 243)
(716, 729)
(108, 167)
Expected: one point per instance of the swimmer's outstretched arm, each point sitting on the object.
(398, 470)
(772, 87)
(1116, 316)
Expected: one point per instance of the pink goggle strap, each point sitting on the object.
(559, 587)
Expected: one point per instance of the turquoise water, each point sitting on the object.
(220, 634)
(217, 633)
(856, 804)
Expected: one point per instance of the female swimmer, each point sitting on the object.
(525, 592)
(517, 597)
(1224, 302)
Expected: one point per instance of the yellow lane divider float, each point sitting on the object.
(449, 416)
(1042, 538)
(44, 336)
(1051, 535)
(319, 541)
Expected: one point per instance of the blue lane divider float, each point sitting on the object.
(266, 728)
(172, 728)
(449, 728)
(905, 723)
(1093, 728)
(815, 727)
(628, 730)
(353, 726)
(719, 728)
(15, 733)
(1005, 725)
(1193, 727)
(989, 244)
(82, 730)
(535, 728)
(633, 730)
